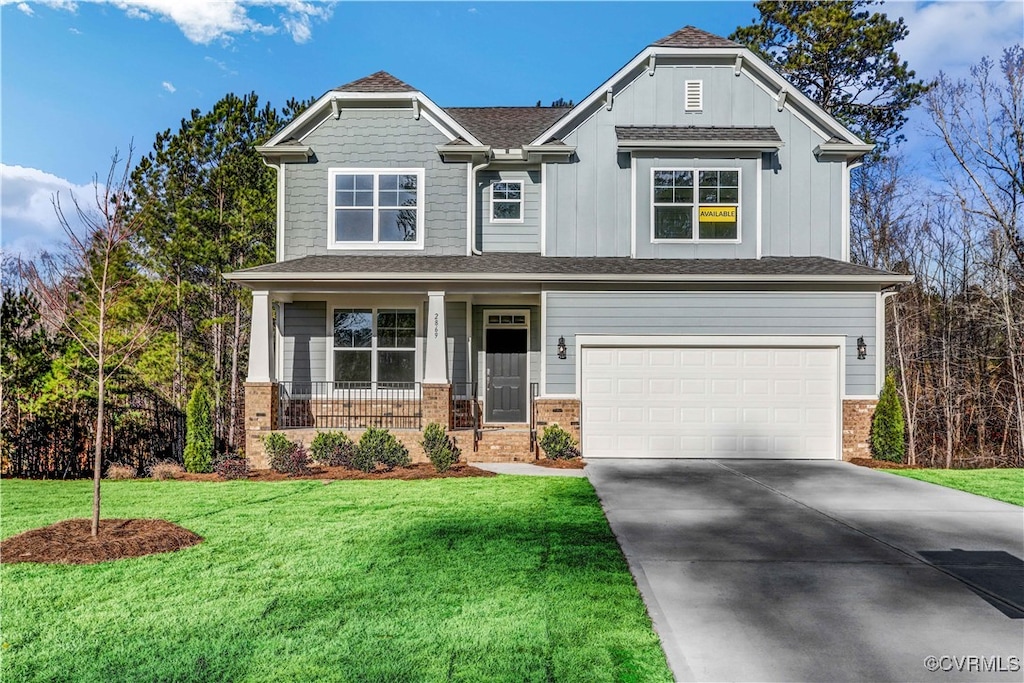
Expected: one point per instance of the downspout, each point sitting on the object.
(279, 232)
(472, 206)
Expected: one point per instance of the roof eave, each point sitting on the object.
(463, 153)
(287, 153)
(749, 145)
(842, 150)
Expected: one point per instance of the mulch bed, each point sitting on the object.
(421, 470)
(71, 541)
(574, 464)
(881, 464)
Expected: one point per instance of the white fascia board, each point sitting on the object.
(750, 60)
(842, 149)
(754, 145)
(244, 277)
(436, 114)
(463, 153)
(286, 153)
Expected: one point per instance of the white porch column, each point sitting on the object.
(436, 370)
(261, 343)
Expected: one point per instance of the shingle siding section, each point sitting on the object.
(364, 138)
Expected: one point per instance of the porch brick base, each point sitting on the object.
(857, 414)
(260, 420)
(436, 405)
(565, 412)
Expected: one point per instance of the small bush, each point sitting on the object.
(232, 467)
(887, 426)
(298, 462)
(558, 444)
(116, 470)
(279, 451)
(439, 447)
(332, 449)
(379, 446)
(166, 469)
(198, 432)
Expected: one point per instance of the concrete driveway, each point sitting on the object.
(819, 571)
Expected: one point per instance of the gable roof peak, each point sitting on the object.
(380, 81)
(691, 36)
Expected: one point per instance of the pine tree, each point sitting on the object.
(887, 425)
(198, 432)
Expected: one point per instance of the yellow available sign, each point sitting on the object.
(717, 214)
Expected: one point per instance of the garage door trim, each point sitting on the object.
(835, 342)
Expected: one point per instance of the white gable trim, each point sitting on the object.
(419, 104)
(823, 122)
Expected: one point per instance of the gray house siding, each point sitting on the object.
(305, 341)
(455, 323)
(589, 200)
(711, 313)
(513, 237)
(374, 138)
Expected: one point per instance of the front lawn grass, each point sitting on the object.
(502, 579)
(1002, 484)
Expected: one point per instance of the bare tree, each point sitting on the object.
(90, 291)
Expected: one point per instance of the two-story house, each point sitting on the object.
(663, 269)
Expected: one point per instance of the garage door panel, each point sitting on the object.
(720, 403)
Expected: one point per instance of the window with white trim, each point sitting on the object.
(374, 345)
(375, 208)
(507, 201)
(695, 204)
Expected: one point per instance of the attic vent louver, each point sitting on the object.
(694, 95)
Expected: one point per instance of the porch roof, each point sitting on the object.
(509, 267)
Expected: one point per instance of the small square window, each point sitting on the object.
(507, 201)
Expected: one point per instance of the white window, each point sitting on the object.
(374, 345)
(695, 205)
(375, 208)
(507, 201)
(694, 96)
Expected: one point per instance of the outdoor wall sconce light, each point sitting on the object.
(561, 348)
(862, 349)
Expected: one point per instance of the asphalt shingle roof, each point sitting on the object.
(688, 133)
(506, 127)
(593, 267)
(691, 36)
(381, 81)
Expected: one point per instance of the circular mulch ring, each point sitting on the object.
(72, 542)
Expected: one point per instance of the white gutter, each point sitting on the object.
(753, 145)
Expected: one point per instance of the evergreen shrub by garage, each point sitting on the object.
(887, 426)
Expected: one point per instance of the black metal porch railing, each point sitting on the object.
(466, 409)
(350, 405)
(534, 393)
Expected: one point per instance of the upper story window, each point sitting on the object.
(375, 208)
(695, 205)
(507, 201)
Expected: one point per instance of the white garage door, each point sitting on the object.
(710, 402)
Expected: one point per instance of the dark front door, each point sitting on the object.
(505, 398)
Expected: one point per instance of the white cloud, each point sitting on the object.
(75, 31)
(228, 71)
(168, 86)
(203, 21)
(24, 7)
(951, 36)
(27, 214)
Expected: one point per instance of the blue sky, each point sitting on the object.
(78, 80)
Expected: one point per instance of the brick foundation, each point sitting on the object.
(857, 414)
(565, 412)
(260, 419)
(436, 405)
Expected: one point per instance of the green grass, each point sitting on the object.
(1002, 484)
(503, 579)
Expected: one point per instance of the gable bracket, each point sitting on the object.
(737, 68)
(609, 97)
(651, 63)
(336, 109)
(416, 109)
(780, 101)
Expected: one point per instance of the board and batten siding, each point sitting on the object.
(710, 313)
(374, 138)
(455, 331)
(305, 341)
(589, 211)
(509, 236)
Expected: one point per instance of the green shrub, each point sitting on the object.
(198, 432)
(379, 446)
(279, 451)
(439, 447)
(558, 444)
(332, 449)
(887, 427)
